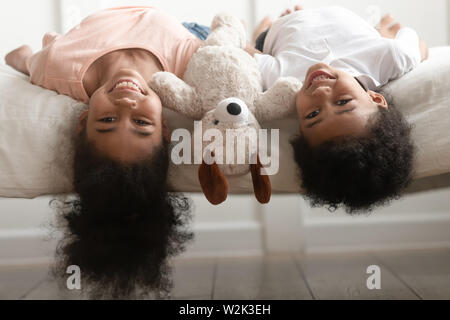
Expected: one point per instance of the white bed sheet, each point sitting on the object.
(37, 126)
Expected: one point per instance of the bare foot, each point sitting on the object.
(388, 27)
(17, 58)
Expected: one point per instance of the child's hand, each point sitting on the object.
(251, 50)
(388, 28)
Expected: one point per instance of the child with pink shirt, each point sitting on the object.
(124, 224)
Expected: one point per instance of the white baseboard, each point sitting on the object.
(408, 232)
(245, 238)
(33, 246)
(25, 246)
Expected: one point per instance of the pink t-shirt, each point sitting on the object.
(64, 59)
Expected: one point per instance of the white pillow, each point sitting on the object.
(37, 127)
(423, 96)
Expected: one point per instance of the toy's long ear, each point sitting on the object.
(279, 101)
(176, 94)
(261, 183)
(213, 182)
(227, 30)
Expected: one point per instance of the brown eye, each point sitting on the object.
(343, 102)
(142, 123)
(312, 114)
(107, 120)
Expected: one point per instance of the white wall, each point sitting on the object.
(25, 22)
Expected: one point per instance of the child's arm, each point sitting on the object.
(389, 29)
(423, 49)
(251, 50)
(17, 59)
(268, 65)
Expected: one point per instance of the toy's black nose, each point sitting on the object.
(234, 109)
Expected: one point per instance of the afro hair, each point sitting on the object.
(358, 173)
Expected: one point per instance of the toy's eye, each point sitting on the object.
(216, 122)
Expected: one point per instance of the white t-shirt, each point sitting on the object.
(341, 39)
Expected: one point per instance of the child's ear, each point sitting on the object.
(165, 130)
(82, 122)
(378, 99)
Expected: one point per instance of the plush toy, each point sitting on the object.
(222, 88)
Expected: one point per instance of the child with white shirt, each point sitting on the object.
(353, 149)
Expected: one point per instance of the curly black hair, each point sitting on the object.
(122, 226)
(358, 173)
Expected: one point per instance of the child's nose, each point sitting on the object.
(322, 92)
(127, 102)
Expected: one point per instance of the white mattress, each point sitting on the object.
(37, 126)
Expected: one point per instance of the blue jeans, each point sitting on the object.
(201, 32)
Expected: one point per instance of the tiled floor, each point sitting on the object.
(408, 274)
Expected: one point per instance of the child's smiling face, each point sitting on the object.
(124, 120)
(333, 104)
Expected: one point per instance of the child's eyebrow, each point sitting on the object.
(138, 132)
(105, 130)
(344, 111)
(313, 124)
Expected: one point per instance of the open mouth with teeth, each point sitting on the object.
(318, 76)
(127, 84)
